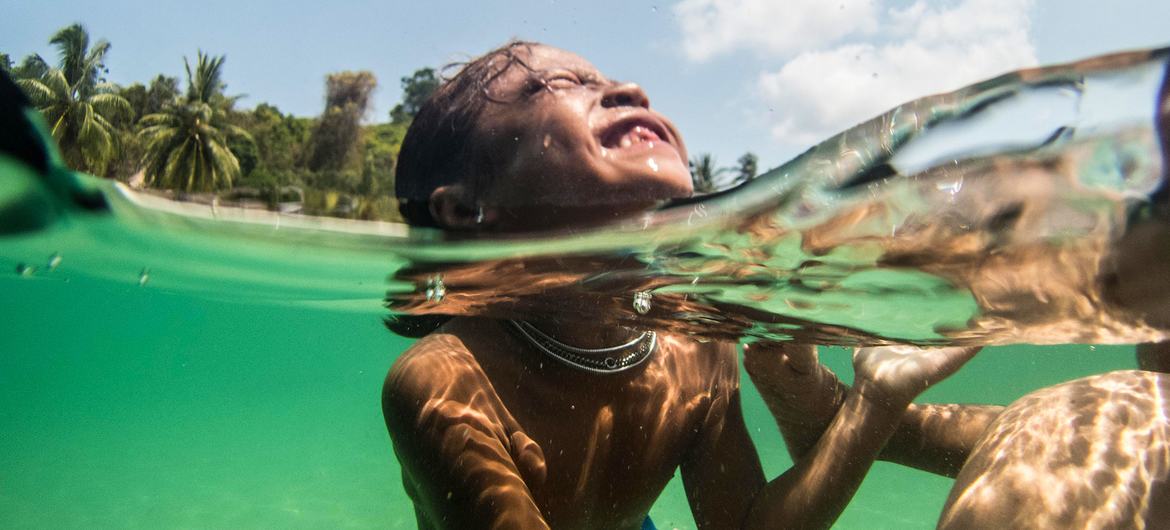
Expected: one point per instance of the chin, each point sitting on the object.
(666, 187)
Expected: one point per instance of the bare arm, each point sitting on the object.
(939, 438)
(816, 489)
(804, 396)
(457, 460)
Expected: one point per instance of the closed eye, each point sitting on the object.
(562, 80)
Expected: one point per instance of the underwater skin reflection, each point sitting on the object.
(1090, 453)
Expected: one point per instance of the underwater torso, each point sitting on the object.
(593, 450)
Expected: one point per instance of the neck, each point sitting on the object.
(585, 335)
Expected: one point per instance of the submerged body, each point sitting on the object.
(1090, 453)
(524, 438)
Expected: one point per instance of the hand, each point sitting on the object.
(895, 375)
(801, 393)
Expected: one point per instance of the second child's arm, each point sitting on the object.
(814, 492)
(804, 396)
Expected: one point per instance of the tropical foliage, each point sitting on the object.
(334, 144)
(706, 175)
(748, 167)
(416, 88)
(193, 138)
(79, 106)
(186, 144)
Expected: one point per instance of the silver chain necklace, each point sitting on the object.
(607, 360)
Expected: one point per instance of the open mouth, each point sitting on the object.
(628, 133)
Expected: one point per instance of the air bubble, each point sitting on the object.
(54, 261)
(144, 276)
(24, 270)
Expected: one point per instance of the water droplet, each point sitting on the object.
(144, 276)
(951, 187)
(652, 163)
(875, 75)
(653, 9)
(642, 302)
(572, 407)
(54, 261)
(24, 270)
(1092, 348)
(436, 290)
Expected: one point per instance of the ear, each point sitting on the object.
(452, 207)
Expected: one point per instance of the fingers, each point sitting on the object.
(949, 360)
(898, 374)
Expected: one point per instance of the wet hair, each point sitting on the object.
(440, 146)
(439, 150)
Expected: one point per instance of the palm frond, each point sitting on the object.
(111, 105)
(72, 43)
(36, 90)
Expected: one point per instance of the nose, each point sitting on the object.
(625, 95)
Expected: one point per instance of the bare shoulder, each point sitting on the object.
(437, 368)
(431, 359)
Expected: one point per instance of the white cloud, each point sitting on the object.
(839, 81)
(712, 27)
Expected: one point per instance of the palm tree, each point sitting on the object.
(76, 101)
(748, 167)
(187, 143)
(704, 172)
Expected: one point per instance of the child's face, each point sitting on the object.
(573, 139)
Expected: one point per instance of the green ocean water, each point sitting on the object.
(127, 406)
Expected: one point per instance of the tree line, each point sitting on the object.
(192, 138)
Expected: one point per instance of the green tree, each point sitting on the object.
(335, 145)
(143, 102)
(31, 67)
(280, 138)
(416, 88)
(152, 99)
(186, 145)
(705, 172)
(6, 63)
(747, 168)
(75, 99)
(380, 153)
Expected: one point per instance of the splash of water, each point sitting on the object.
(998, 213)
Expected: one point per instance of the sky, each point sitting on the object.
(768, 76)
